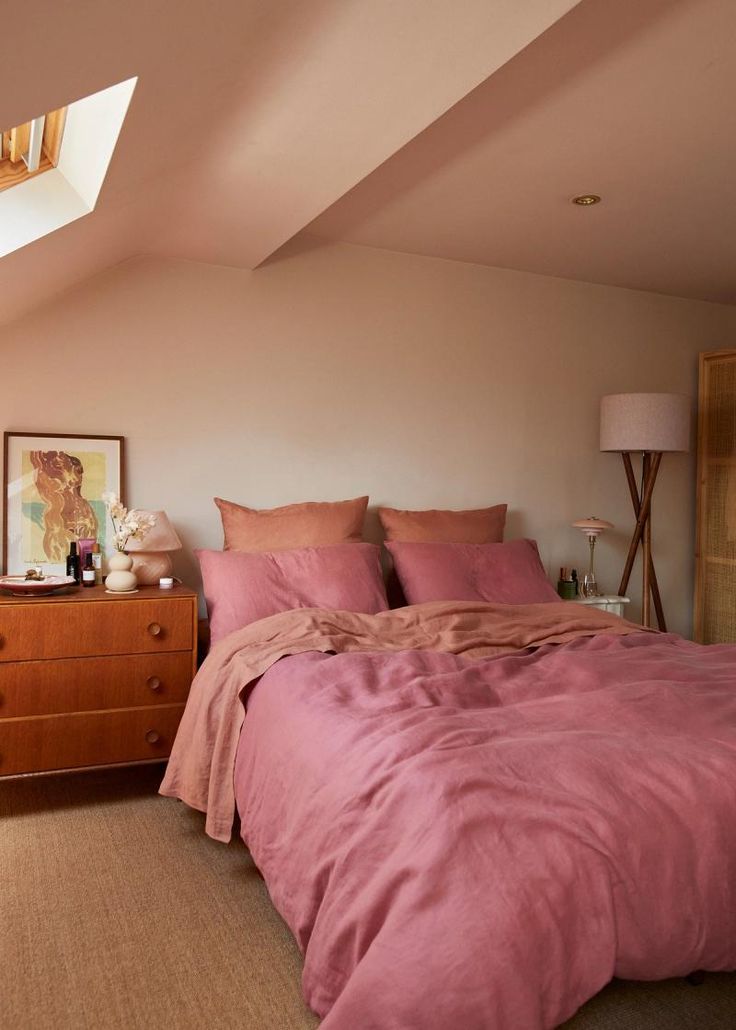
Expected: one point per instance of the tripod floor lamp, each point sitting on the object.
(650, 423)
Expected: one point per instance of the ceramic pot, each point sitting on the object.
(120, 579)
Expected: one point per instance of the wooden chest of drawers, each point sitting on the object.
(91, 678)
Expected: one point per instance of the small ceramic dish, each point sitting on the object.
(22, 587)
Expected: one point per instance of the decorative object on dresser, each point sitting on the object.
(651, 423)
(52, 495)
(84, 547)
(592, 527)
(90, 678)
(152, 554)
(72, 562)
(33, 584)
(715, 540)
(128, 526)
(120, 578)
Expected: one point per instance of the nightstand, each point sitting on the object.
(606, 602)
(91, 678)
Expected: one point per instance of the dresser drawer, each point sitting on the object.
(89, 684)
(92, 738)
(76, 630)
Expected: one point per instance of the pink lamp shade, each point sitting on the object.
(592, 526)
(151, 555)
(645, 422)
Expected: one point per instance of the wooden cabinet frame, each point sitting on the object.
(704, 558)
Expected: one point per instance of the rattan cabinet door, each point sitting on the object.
(715, 551)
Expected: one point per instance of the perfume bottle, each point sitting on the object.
(84, 546)
(88, 572)
(97, 563)
(72, 562)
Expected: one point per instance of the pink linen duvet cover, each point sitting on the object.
(475, 815)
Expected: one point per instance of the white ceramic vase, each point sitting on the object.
(120, 579)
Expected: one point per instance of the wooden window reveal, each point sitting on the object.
(15, 143)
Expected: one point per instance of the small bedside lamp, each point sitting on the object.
(151, 557)
(592, 527)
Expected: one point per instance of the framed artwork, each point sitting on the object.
(52, 494)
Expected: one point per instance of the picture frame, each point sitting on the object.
(52, 494)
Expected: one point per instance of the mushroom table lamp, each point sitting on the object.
(592, 527)
(152, 555)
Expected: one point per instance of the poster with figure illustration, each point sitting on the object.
(53, 487)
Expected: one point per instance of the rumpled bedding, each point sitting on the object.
(202, 759)
(472, 816)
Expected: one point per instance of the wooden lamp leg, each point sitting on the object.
(634, 491)
(646, 545)
(642, 534)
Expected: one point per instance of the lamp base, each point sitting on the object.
(588, 586)
(150, 566)
(643, 535)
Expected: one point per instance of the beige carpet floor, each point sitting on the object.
(118, 913)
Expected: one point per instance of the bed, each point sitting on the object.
(473, 814)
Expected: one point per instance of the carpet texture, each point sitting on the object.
(118, 913)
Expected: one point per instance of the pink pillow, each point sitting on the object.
(476, 526)
(311, 524)
(510, 573)
(241, 587)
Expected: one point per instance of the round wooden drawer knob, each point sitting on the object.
(154, 682)
(152, 737)
(154, 628)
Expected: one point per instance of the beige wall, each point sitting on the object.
(337, 370)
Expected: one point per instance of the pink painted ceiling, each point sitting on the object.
(425, 126)
(249, 118)
(632, 101)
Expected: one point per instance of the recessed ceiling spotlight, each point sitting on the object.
(586, 199)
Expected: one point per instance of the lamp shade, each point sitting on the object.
(645, 422)
(592, 526)
(162, 537)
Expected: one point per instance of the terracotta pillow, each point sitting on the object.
(312, 524)
(476, 526)
(241, 588)
(510, 573)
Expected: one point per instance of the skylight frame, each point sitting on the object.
(48, 199)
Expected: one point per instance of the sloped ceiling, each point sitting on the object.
(631, 101)
(427, 125)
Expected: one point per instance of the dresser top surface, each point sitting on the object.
(98, 593)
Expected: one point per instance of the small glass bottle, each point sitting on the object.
(72, 562)
(97, 563)
(88, 572)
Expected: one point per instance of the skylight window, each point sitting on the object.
(56, 165)
(31, 148)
